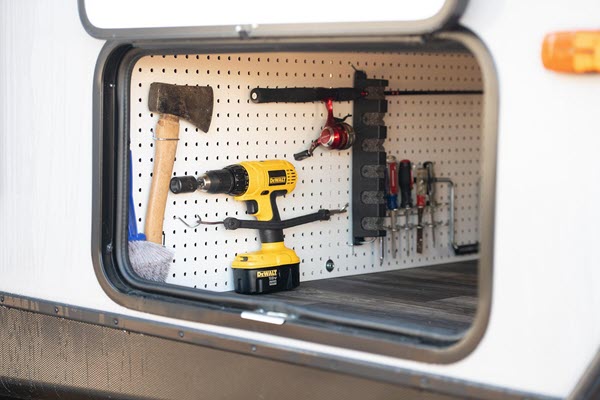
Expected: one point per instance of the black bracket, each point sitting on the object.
(368, 155)
(234, 223)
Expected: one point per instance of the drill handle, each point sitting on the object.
(265, 209)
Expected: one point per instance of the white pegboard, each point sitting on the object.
(443, 129)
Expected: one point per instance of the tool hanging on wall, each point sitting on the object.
(463, 249)
(148, 260)
(421, 182)
(428, 165)
(370, 106)
(172, 102)
(335, 135)
(392, 199)
(405, 180)
(274, 267)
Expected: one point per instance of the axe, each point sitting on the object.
(192, 103)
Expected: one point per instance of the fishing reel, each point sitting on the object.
(336, 135)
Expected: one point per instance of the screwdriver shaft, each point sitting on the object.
(393, 223)
(432, 213)
(391, 177)
(431, 196)
(407, 229)
(420, 231)
(421, 180)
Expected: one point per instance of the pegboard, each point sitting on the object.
(445, 129)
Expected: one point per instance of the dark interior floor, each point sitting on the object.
(441, 298)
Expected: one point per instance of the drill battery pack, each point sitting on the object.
(266, 280)
(271, 269)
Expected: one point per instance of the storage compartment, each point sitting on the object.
(430, 108)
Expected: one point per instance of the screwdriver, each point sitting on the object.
(381, 249)
(406, 182)
(392, 197)
(431, 196)
(421, 200)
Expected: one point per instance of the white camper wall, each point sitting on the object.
(544, 327)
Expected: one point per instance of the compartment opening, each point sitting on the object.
(433, 92)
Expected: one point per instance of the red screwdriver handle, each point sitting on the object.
(392, 175)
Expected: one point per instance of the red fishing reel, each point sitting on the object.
(336, 135)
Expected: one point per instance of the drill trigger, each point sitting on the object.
(252, 206)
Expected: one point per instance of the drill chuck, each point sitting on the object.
(232, 180)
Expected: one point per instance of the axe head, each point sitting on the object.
(192, 103)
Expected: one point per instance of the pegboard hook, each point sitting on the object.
(199, 222)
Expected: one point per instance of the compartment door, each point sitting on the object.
(153, 19)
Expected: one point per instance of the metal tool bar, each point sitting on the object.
(459, 250)
(428, 165)
(431, 92)
(421, 182)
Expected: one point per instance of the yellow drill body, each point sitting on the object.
(265, 177)
(266, 180)
(258, 183)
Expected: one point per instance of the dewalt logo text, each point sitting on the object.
(277, 180)
(277, 177)
(266, 274)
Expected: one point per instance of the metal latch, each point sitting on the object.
(269, 317)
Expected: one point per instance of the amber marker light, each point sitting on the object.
(576, 52)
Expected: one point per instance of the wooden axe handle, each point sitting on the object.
(165, 145)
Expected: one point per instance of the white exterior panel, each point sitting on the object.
(545, 325)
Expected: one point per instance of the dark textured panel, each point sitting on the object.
(46, 357)
(439, 298)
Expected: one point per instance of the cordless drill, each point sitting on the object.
(258, 183)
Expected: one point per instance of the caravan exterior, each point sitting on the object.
(326, 202)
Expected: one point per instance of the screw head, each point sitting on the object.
(329, 265)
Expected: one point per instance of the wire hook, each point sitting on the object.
(199, 222)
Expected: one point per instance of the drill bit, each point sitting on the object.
(431, 196)
(381, 249)
(421, 200)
